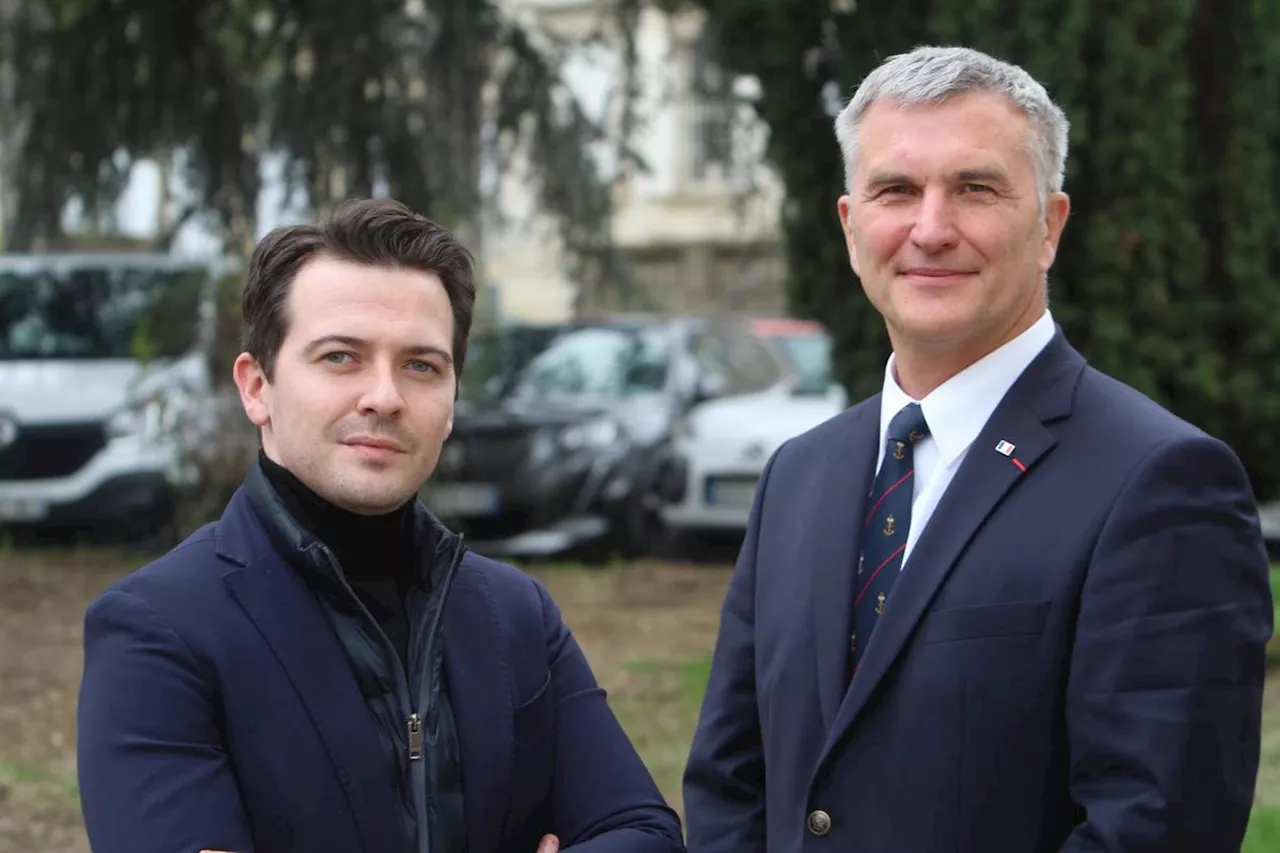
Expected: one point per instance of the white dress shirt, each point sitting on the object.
(956, 411)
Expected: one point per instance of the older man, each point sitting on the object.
(1008, 603)
(327, 667)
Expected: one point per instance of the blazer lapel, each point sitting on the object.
(1042, 394)
(293, 625)
(481, 691)
(847, 473)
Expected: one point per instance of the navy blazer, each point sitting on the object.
(1072, 660)
(217, 711)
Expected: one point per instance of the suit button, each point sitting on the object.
(819, 822)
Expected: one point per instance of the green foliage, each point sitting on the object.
(1166, 277)
(141, 345)
(1264, 830)
(105, 83)
(37, 777)
(1273, 647)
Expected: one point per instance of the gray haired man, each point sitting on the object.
(1008, 604)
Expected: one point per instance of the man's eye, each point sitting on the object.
(337, 357)
(420, 366)
(977, 188)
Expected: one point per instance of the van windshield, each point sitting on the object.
(99, 311)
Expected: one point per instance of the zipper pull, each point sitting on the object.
(415, 737)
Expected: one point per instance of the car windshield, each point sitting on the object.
(494, 359)
(104, 310)
(597, 361)
(809, 355)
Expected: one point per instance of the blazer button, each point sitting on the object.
(819, 822)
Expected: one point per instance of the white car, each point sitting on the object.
(720, 447)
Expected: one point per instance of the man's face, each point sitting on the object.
(943, 224)
(362, 394)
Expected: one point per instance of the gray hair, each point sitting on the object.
(930, 75)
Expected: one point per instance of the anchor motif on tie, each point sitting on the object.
(880, 604)
(915, 436)
(899, 449)
(889, 526)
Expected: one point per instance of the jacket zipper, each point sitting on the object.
(413, 720)
(414, 723)
(415, 736)
(425, 687)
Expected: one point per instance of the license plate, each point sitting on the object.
(731, 493)
(22, 509)
(463, 499)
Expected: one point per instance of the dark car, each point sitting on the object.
(561, 430)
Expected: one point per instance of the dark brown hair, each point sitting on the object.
(378, 232)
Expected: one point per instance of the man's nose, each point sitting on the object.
(934, 230)
(382, 393)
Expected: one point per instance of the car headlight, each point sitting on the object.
(592, 434)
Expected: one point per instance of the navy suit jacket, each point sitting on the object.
(218, 711)
(1072, 660)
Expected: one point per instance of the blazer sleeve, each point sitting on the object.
(724, 779)
(154, 776)
(1164, 696)
(603, 798)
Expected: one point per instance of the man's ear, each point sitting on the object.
(1057, 209)
(253, 385)
(842, 208)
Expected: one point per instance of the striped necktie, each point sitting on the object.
(884, 534)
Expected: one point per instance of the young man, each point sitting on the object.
(327, 667)
(1007, 605)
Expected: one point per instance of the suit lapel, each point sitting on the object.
(481, 691)
(293, 625)
(986, 476)
(847, 473)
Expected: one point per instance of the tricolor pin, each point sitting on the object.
(1005, 448)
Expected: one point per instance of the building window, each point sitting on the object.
(712, 108)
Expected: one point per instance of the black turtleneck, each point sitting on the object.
(376, 552)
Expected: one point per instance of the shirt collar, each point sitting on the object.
(959, 408)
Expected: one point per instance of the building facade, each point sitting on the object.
(696, 219)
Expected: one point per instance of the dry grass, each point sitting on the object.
(647, 628)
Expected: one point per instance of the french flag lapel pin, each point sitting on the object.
(1006, 448)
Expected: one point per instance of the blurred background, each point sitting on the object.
(650, 189)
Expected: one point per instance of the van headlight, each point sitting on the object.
(149, 417)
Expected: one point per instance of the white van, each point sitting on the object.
(99, 354)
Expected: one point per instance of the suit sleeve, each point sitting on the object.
(154, 777)
(724, 779)
(603, 798)
(1164, 697)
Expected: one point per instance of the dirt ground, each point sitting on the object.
(647, 628)
(637, 624)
